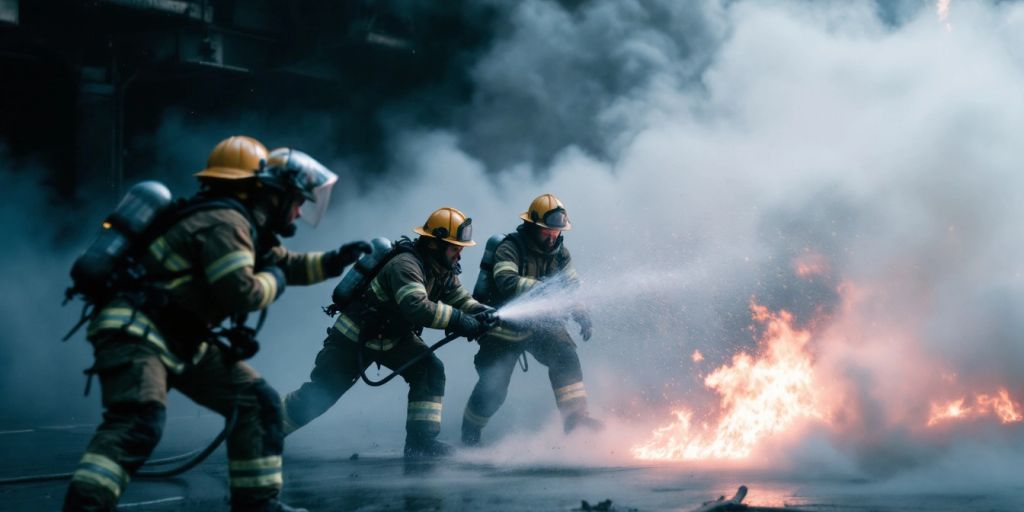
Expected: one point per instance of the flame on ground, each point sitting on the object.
(999, 405)
(760, 396)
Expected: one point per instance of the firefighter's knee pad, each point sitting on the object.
(270, 414)
(143, 425)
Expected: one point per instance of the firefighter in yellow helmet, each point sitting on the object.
(418, 287)
(534, 253)
(212, 257)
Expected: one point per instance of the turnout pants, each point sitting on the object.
(134, 386)
(337, 368)
(496, 361)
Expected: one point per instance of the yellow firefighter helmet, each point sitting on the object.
(234, 158)
(548, 212)
(450, 225)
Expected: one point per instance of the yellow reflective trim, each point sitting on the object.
(433, 417)
(268, 288)
(442, 315)
(470, 304)
(273, 461)
(506, 266)
(409, 289)
(572, 396)
(433, 406)
(475, 419)
(524, 284)
(105, 463)
(162, 252)
(119, 317)
(381, 344)
(346, 327)
(272, 480)
(459, 298)
(227, 264)
(570, 392)
(315, 267)
(178, 282)
(85, 475)
(101, 470)
(378, 290)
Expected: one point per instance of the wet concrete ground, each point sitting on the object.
(379, 480)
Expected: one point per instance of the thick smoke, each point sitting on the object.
(703, 149)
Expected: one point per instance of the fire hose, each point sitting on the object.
(192, 458)
(408, 364)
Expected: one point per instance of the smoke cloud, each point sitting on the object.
(705, 151)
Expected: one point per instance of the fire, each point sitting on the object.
(810, 264)
(999, 405)
(697, 356)
(760, 396)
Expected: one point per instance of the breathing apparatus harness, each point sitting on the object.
(126, 278)
(350, 291)
(129, 280)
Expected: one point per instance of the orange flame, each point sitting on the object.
(697, 356)
(1000, 405)
(810, 264)
(760, 396)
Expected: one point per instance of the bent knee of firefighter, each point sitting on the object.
(428, 373)
(137, 427)
(262, 405)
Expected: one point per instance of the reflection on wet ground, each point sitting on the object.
(333, 480)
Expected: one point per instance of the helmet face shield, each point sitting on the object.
(313, 209)
(556, 219)
(296, 172)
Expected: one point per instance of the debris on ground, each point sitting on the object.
(724, 505)
(604, 506)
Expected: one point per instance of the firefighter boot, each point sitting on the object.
(470, 434)
(427, 449)
(583, 421)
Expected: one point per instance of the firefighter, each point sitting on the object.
(219, 258)
(534, 253)
(417, 287)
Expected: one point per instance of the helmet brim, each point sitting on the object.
(422, 232)
(526, 216)
(224, 173)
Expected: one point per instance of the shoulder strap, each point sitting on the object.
(183, 208)
(517, 239)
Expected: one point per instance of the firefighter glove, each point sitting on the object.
(466, 325)
(582, 317)
(335, 261)
(488, 317)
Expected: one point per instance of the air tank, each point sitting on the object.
(135, 213)
(358, 277)
(484, 281)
